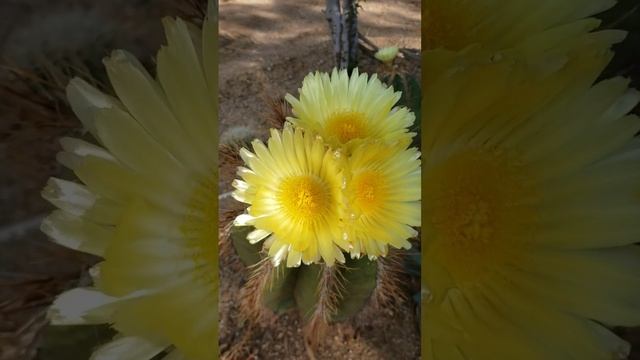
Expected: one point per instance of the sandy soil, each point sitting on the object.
(266, 49)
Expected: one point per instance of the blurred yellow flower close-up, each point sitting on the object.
(146, 202)
(498, 25)
(530, 206)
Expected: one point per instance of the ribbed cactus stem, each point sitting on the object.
(329, 293)
(252, 293)
(323, 294)
(390, 281)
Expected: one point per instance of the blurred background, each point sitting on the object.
(43, 44)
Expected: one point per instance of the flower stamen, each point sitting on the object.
(369, 191)
(480, 210)
(304, 197)
(347, 125)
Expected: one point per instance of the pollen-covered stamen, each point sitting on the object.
(466, 219)
(304, 197)
(347, 125)
(369, 191)
(480, 209)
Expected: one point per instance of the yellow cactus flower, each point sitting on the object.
(530, 213)
(146, 202)
(294, 186)
(345, 109)
(383, 196)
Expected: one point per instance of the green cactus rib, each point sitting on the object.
(278, 294)
(360, 279)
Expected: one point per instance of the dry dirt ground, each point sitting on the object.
(266, 49)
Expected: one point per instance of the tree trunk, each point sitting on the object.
(343, 24)
(349, 35)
